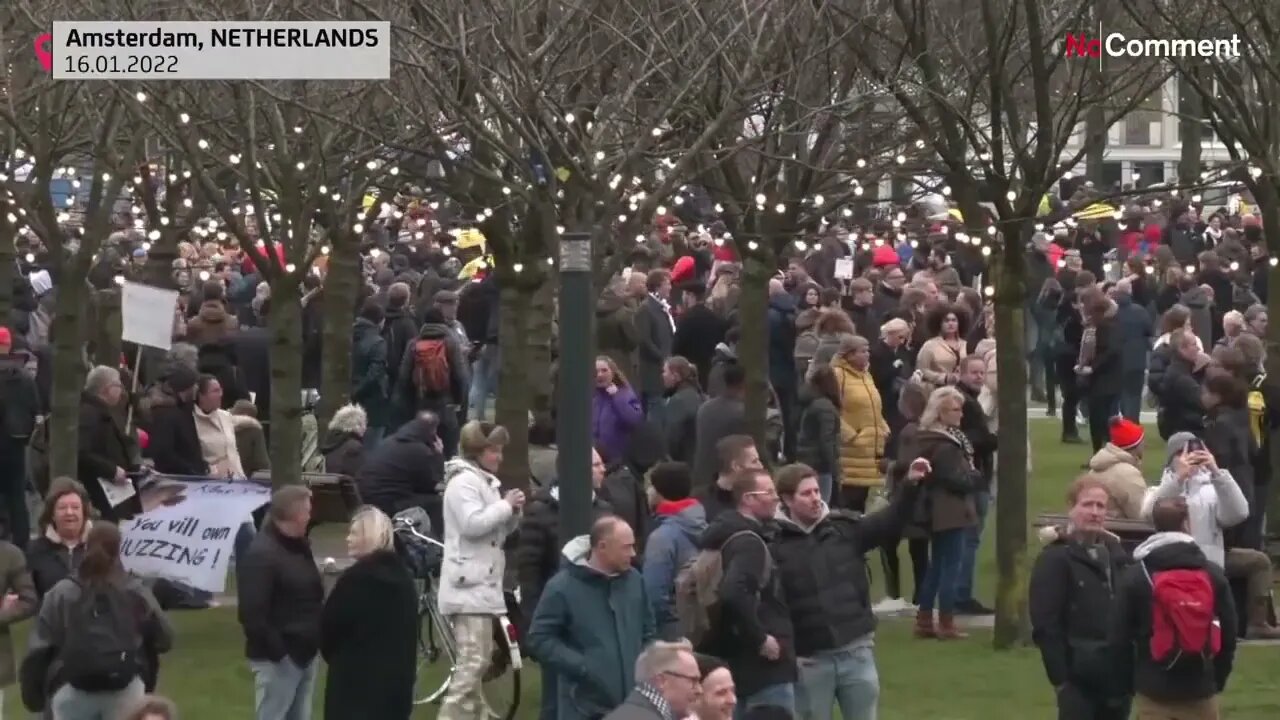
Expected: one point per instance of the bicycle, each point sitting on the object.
(500, 684)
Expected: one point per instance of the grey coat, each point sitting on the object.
(635, 707)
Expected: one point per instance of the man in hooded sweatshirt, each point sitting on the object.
(821, 559)
(593, 621)
(1188, 687)
(680, 521)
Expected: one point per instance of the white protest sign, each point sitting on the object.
(844, 269)
(189, 533)
(147, 313)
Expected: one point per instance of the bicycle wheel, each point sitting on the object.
(435, 655)
(501, 682)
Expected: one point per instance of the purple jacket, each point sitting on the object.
(613, 417)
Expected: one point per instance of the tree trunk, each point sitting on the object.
(1190, 133)
(753, 344)
(1012, 625)
(341, 286)
(108, 325)
(286, 382)
(67, 353)
(542, 338)
(8, 270)
(511, 411)
(1268, 198)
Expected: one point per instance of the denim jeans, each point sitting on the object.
(972, 540)
(847, 676)
(1131, 395)
(946, 554)
(74, 704)
(282, 690)
(782, 695)
(484, 381)
(825, 483)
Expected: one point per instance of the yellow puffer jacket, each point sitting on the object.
(862, 426)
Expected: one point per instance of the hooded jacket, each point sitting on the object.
(1131, 625)
(212, 323)
(1122, 473)
(673, 542)
(477, 522)
(407, 393)
(405, 469)
(818, 436)
(589, 629)
(782, 340)
(343, 449)
(1214, 501)
(1072, 598)
(824, 572)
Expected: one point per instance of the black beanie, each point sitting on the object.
(181, 378)
(671, 480)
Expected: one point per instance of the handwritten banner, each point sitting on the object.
(188, 530)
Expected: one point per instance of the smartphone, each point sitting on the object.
(1193, 445)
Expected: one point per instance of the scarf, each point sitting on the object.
(963, 441)
(666, 307)
(674, 507)
(660, 703)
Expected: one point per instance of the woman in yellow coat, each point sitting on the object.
(862, 427)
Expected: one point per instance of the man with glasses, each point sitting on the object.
(752, 632)
(668, 684)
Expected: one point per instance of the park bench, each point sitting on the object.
(334, 498)
(1132, 533)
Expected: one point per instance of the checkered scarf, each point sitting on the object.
(660, 703)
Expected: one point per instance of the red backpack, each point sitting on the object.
(1183, 615)
(431, 366)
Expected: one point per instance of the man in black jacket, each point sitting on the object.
(19, 406)
(824, 577)
(447, 401)
(1178, 389)
(752, 630)
(406, 470)
(280, 600)
(975, 426)
(737, 454)
(1073, 589)
(655, 334)
(1188, 688)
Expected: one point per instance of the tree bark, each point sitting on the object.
(8, 269)
(1268, 198)
(67, 353)
(1012, 623)
(753, 343)
(108, 324)
(514, 394)
(341, 287)
(542, 338)
(1190, 133)
(285, 322)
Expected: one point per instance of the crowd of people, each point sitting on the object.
(724, 575)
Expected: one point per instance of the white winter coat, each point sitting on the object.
(1214, 502)
(477, 522)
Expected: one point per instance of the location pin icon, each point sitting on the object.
(42, 51)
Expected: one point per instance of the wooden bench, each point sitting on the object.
(334, 498)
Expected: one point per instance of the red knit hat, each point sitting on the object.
(682, 270)
(1125, 433)
(885, 256)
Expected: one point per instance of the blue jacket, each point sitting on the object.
(673, 542)
(589, 629)
(1133, 323)
(782, 341)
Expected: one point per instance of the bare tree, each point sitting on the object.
(990, 90)
(544, 117)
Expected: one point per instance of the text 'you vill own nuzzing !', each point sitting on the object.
(104, 50)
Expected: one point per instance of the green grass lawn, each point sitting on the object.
(207, 676)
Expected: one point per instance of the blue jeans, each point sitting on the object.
(943, 576)
(972, 540)
(782, 695)
(825, 483)
(74, 704)
(282, 690)
(847, 676)
(1131, 395)
(484, 381)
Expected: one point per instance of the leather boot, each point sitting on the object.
(947, 629)
(1260, 627)
(924, 624)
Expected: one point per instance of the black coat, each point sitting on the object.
(824, 573)
(51, 562)
(655, 338)
(398, 330)
(343, 453)
(253, 352)
(1228, 437)
(1107, 379)
(405, 470)
(751, 608)
(717, 419)
(698, 331)
(1179, 394)
(680, 423)
(369, 371)
(280, 598)
(715, 501)
(219, 360)
(1130, 635)
(1072, 596)
(368, 637)
(175, 443)
(890, 370)
(625, 496)
(19, 399)
(104, 446)
(818, 434)
(538, 550)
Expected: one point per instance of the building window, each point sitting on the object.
(1112, 175)
(1146, 174)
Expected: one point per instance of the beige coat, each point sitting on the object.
(217, 433)
(936, 360)
(1122, 473)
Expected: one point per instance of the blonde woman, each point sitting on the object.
(951, 509)
(863, 430)
(368, 630)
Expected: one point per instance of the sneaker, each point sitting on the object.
(892, 606)
(973, 607)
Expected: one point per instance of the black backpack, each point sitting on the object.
(103, 639)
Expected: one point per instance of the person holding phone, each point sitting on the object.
(1214, 500)
(820, 555)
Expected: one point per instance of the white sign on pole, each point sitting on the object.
(147, 314)
(189, 531)
(844, 269)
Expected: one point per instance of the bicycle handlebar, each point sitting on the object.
(412, 530)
